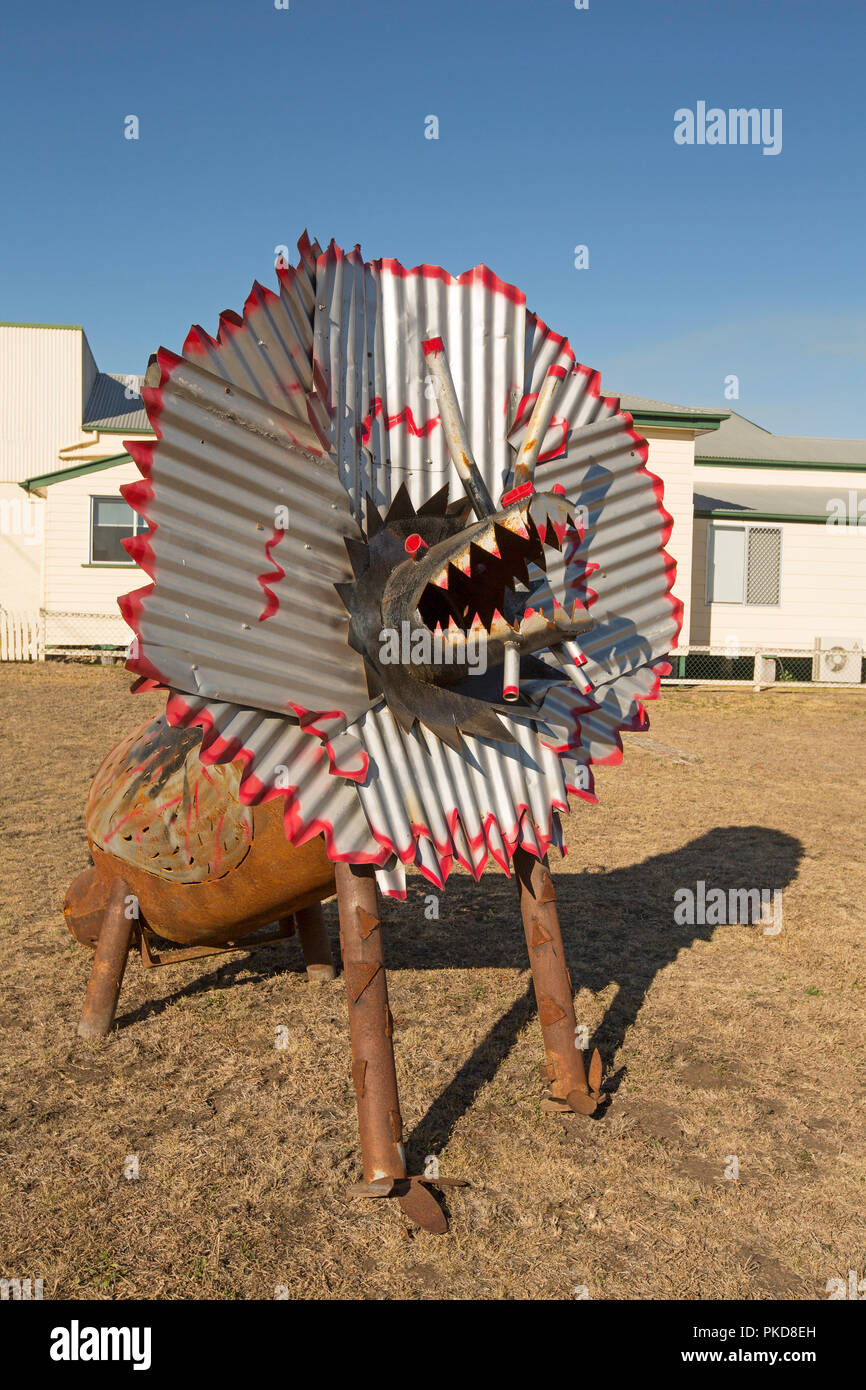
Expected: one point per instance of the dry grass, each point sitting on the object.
(719, 1040)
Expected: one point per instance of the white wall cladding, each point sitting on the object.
(823, 591)
(672, 458)
(46, 375)
(89, 372)
(41, 387)
(713, 476)
(80, 600)
(22, 521)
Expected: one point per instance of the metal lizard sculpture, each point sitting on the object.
(371, 663)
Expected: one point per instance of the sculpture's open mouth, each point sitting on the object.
(436, 605)
(481, 581)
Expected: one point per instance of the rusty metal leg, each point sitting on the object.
(373, 1070)
(370, 1025)
(315, 944)
(569, 1089)
(109, 963)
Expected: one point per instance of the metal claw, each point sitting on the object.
(575, 1103)
(580, 1102)
(415, 1199)
(381, 1187)
(555, 1105)
(595, 1071)
(421, 1206)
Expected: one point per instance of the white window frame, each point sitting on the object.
(744, 526)
(138, 523)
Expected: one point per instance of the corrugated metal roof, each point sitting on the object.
(742, 498)
(641, 403)
(109, 407)
(739, 438)
(318, 396)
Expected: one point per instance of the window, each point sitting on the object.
(764, 567)
(110, 520)
(744, 565)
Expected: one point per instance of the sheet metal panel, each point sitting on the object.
(229, 616)
(370, 323)
(431, 805)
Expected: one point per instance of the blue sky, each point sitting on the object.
(555, 129)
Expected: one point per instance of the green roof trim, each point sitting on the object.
(823, 466)
(659, 418)
(723, 514)
(77, 470)
(12, 323)
(689, 420)
(117, 429)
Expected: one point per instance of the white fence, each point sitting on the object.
(34, 636)
(22, 636)
(825, 665)
(71, 633)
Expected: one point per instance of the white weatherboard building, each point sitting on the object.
(771, 555)
(779, 552)
(62, 461)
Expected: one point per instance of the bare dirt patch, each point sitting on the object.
(719, 1041)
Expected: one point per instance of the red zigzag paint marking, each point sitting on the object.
(273, 576)
(403, 417)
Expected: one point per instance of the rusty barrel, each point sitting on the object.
(205, 868)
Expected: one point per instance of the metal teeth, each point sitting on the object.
(496, 562)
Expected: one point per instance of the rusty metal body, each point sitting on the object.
(205, 869)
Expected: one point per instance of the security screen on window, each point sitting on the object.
(744, 565)
(110, 520)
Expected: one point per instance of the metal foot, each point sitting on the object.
(315, 944)
(570, 1090)
(109, 963)
(579, 1102)
(415, 1198)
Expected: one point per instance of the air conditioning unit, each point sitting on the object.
(837, 659)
